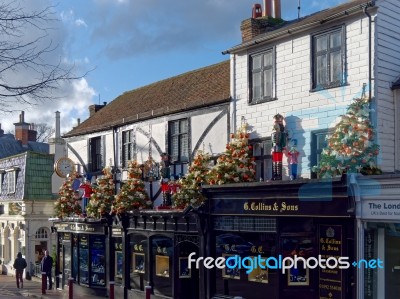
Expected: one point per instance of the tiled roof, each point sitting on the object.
(33, 176)
(199, 88)
(9, 146)
(305, 23)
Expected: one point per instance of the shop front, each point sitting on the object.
(275, 222)
(155, 250)
(82, 255)
(378, 222)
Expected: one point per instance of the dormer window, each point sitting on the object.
(11, 179)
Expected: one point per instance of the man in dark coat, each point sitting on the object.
(47, 264)
(19, 266)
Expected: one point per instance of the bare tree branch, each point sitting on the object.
(44, 132)
(25, 55)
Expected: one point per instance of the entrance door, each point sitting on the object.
(392, 266)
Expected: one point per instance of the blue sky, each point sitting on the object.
(131, 43)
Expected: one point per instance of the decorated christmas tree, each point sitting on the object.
(190, 185)
(132, 194)
(236, 164)
(67, 203)
(350, 148)
(102, 197)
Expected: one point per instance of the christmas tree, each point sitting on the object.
(235, 165)
(132, 194)
(190, 185)
(67, 203)
(351, 146)
(102, 197)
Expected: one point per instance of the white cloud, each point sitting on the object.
(74, 106)
(80, 22)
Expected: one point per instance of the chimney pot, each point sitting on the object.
(257, 11)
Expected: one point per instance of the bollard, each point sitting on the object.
(112, 289)
(44, 283)
(148, 292)
(71, 287)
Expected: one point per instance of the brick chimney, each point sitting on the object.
(32, 133)
(258, 24)
(24, 132)
(94, 108)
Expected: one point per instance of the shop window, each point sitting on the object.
(263, 159)
(84, 260)
(162, 253)
(300, 246)
(235, 281)
(262, 74)
(328, 54)
(97, 261)
(318, 143)
(96, 155)
(119, 260)
(138, 269)
(128, 147)
(178, 137)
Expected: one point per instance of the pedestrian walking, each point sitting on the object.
(19, 266)
(47, 264)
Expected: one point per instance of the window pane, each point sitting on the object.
(175, 128)
(322, 43)
(336, 67)
(174, 147)
(321, 141)
(183, 126)
(336, 40)
(259, 166)
(321, 70)
(184, 154)
(256, 85)
(256, 62)
(268, 83)
(257, 149)
(267, 147)
(268, 59)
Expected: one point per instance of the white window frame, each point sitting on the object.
(12, 180)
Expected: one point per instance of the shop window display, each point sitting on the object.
(97, 255)
(235, 282)
(138, 269)
(83, 260)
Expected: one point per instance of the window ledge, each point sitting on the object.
(328, 87)
(263, 101)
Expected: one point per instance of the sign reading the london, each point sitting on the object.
(381, 209)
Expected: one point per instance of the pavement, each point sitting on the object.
(32, 289)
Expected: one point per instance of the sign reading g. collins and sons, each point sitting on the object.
(380, 209)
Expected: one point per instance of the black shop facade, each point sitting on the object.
(131, 251)
(303, 218)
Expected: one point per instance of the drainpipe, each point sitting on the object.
(369, 51)
(233, 93)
